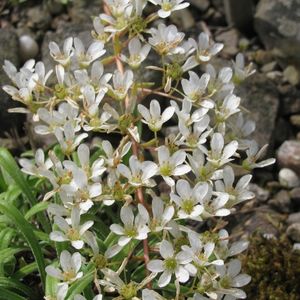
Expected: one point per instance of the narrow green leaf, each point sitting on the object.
(8, 295)
(24, 271)
(26, 229)
(10, 283)
(41, 206)
(10, 166)
(6, 254)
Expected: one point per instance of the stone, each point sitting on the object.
(239, 14)
(183, 19)
(291, 75)
(295, 120)
(293, 232)
(200, 4)
(230, 39)
(281, 201)
(263, 220)
(288, 155)
(28, 47)
(290, 100)
(39, 17)
(295, 197)
(277, 24)
(8, 50)
(261, 195)
(288, 178)
(293, 218)
(259, 95)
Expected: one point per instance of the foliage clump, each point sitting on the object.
(274, 268)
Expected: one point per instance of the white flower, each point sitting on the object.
(151, 295)
(229, 107)
(172, 263)
(137, 53)
(42, 75)
(153, 117)
(205, 47)
(100, 33)
(121, 84)
(230, 280)
(165, 39)
(162, 214)
(237, 194)
(40, 164)
(201, 254)
(96, 169)
(74, 233)
(85, 58)
(195, 89)
(67, 138)
(134, 227)
(57, 118)
(186, 117)
(254, 154)
(189, 199)
(220, 155)
(171, 165)
(241, 72)
(80, 189)
(63, 57)
(196, 135)
(167, 6)
(97, 78)
(138, 173)
(61, 292)
(70, 265)
(112, 158)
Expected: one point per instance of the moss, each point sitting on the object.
(274, 268)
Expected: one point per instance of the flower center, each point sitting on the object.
(170, 263)
(166, 169)
(73, 234)
(69, 275)
(188, 206)
(131, 232)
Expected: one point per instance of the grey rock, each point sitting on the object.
(293, 232)
(288, 155)
(28, 47)
(261, 195)
(263, 220)
(290, 100)
(200, 4)
(278, 23)
(281, 201)
(295, 120)
(39, 17)
(288, 178)
(8, 50)
(183, 19)
(293, 218)
(239, 14)
(295, 197)
(259, 95)
(230, 39)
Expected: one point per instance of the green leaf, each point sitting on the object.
(51, 284)
(14, 284)
(41, 206)
(6, 254)
(8, 295)
(10, 166)
(26, 229)
(24, 271)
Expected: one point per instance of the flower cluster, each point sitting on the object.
(106, 206)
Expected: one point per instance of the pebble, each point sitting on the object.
(295, 120)
(261, 195)
(200, 4)
(295, 196)
(293, 232)
(28, 47)
(288, 178)
(293, 218)
(291, 75)
(288, 155)
(281, 201)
